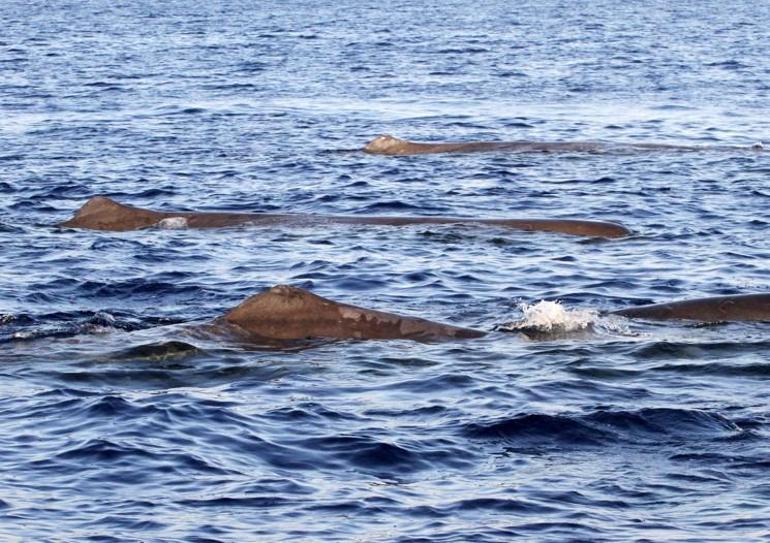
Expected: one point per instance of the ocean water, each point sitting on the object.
(118, 423)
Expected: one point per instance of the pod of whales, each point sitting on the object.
(390, 145)
(290, 313)
(742, 307)
(102, 213)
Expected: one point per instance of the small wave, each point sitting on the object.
(502, 505)
(5, 318)
(540, 429)
(463, 50)
(229, 502)
(606, 426)
(394, 205)
(157, 351)
(143, 463)
(752, 370)
(6, 228)
(23, 327)
(728, 65)
(701, 351)
(98, 323)
(386, 459)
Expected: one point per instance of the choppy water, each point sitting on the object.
(117, 424)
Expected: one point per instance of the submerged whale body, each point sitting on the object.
(290, 313)
(741, 307)
(102, 213)
(390, 145)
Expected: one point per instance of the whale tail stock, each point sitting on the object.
(596, 229)
(740, 307)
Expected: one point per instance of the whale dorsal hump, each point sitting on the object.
(285, 312)
(102, 213)
(278, 302)
(99, 204)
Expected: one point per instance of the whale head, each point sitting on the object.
(385, 145)
(285, 312)
(102, 213)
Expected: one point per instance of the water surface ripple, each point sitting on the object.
(117, 423)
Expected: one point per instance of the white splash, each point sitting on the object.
(547, 317)
(173, 223)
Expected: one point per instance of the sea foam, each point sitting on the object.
(546, 317)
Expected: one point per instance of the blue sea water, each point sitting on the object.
(117, 424)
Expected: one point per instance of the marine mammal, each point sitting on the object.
(102, 213)
(741, 307)
(290, 313)
(390, 145)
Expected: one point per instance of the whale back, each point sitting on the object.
(387, 145)
(744, 307)
(102, 213)
(391, 145)
(290, 313)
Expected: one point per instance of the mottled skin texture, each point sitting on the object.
(285, 313)
(743, 307)
(390, 145)
(101, 213)
(290, 313)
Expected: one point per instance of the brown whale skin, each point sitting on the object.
(290, 313)
(102, 213)
(390, 145)
(741, 307)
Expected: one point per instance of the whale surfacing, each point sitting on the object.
(290, 313)
(285, 313)
(741, 307)
(390, 145)
(102, 213)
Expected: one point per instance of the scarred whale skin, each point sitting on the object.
(290, 313)
(742, 307)
(285, 313)
(102, 213)
(390, 145)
